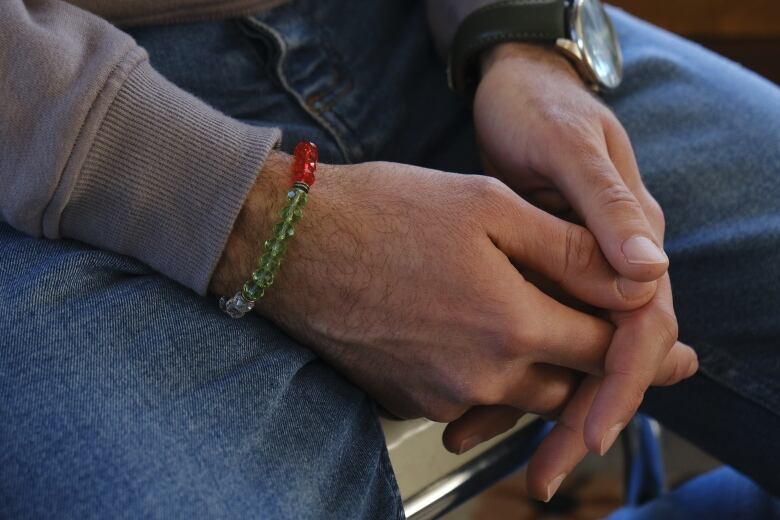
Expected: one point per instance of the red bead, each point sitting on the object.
(297, 165)
(306, 174)
(307, 178)
(304, 165)
(307, 152)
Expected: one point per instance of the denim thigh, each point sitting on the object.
(123, 394)
(707, 138)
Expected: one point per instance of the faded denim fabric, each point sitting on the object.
(124, 395)
(722, 494)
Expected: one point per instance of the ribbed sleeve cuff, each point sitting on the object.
(165, 179)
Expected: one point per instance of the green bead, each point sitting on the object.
(270, 262)
(275, 247)
(253, 292)
(263, 278)
(292, 214)
(283, 230)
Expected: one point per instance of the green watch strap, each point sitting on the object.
(505, 21)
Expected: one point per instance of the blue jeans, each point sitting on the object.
(123, 394)
(720, 494)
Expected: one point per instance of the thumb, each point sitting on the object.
(614, 215)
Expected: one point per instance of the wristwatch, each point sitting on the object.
(580, 29)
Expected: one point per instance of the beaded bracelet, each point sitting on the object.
(304, 168)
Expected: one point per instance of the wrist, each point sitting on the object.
(516, 56)
(261, 208)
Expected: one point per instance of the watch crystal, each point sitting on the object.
(598, 42)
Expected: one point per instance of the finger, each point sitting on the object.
(540, 389)
(547, 332)
(622, 154)
(478, 425)
(680, 363)
(639, 346)
(563, 448)
(567, 254)
(544, 390)
(591, 183)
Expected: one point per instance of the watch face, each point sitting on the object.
(596, 38)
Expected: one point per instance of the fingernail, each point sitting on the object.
(469, 443)
(632, 290)
(642, 250)
(553, 486)
(609, 438)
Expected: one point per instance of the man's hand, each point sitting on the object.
(544, 134)
(552, 141)
(403, 278)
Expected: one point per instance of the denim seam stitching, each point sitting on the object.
(342, 88)
(386, 467)
(286, 86)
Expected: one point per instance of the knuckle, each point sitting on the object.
(680, 368)
(441, 411)
(487, 195)
(442, 415)
(520, 340)
(655, 213)
(635, 394)
(489, 188)
(580, 251)
(461, 388)
(505, 337)
(668, 328)
(613, 195)
(483, 393)
(557, 394)
(659, 325)
(633, 390)
(670, 379)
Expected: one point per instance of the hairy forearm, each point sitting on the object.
(245, 243)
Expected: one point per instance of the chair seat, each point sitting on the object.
(429, 477)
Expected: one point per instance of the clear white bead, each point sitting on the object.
(236, 306)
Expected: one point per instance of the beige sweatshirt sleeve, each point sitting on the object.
(96, 146)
